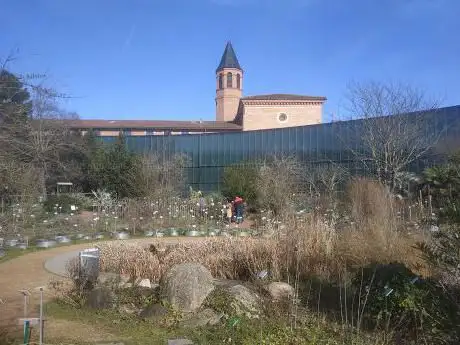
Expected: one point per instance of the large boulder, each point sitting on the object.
(245, 301)
(154, 312)
(280, 291)
(112, 280)
(101, 298)
(186, 286)
(202, 318)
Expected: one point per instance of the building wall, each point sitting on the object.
(138, 133)
(322, 144)
(108, 133)
(266, 116)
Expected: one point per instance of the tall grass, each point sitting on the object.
(312, 245)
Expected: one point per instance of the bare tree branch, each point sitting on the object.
(397, 127)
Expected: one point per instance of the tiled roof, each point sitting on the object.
(154, 124)
(229, 59)
(284, 97)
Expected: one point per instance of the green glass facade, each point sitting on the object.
(334, 142)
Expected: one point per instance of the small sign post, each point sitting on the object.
(26, 332)
(40, 342)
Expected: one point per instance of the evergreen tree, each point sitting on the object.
(15, 103)
(114, 168)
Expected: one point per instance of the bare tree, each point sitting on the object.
(163, 177)
(325, 179)
(42, 140)
(397, 127)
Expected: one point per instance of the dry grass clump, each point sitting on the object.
(311, 245)
(378, 233)
(224, 257)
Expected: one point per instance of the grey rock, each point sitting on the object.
(201, 319)
(280, 291)
(187, 285)
(180, 342)
(100, 298)
(154, 312)
(246, 302)
(144, 283)
(112, 279)
(129, 309)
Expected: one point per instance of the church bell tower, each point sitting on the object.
(229, 85)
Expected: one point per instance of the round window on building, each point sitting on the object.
(282, 117)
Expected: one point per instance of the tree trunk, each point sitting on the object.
(42, 182)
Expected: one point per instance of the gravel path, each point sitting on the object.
(37, 269)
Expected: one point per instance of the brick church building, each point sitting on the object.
(234, 112)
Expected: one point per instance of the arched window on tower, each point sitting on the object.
(229, 80)
(221, 83)
(238, 81)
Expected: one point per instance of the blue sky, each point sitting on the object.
(154, 59)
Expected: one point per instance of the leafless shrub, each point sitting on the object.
(279, 178)
(81, 283)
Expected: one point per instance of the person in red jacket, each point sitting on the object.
(239, 206)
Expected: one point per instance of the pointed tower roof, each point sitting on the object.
(229, 59)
